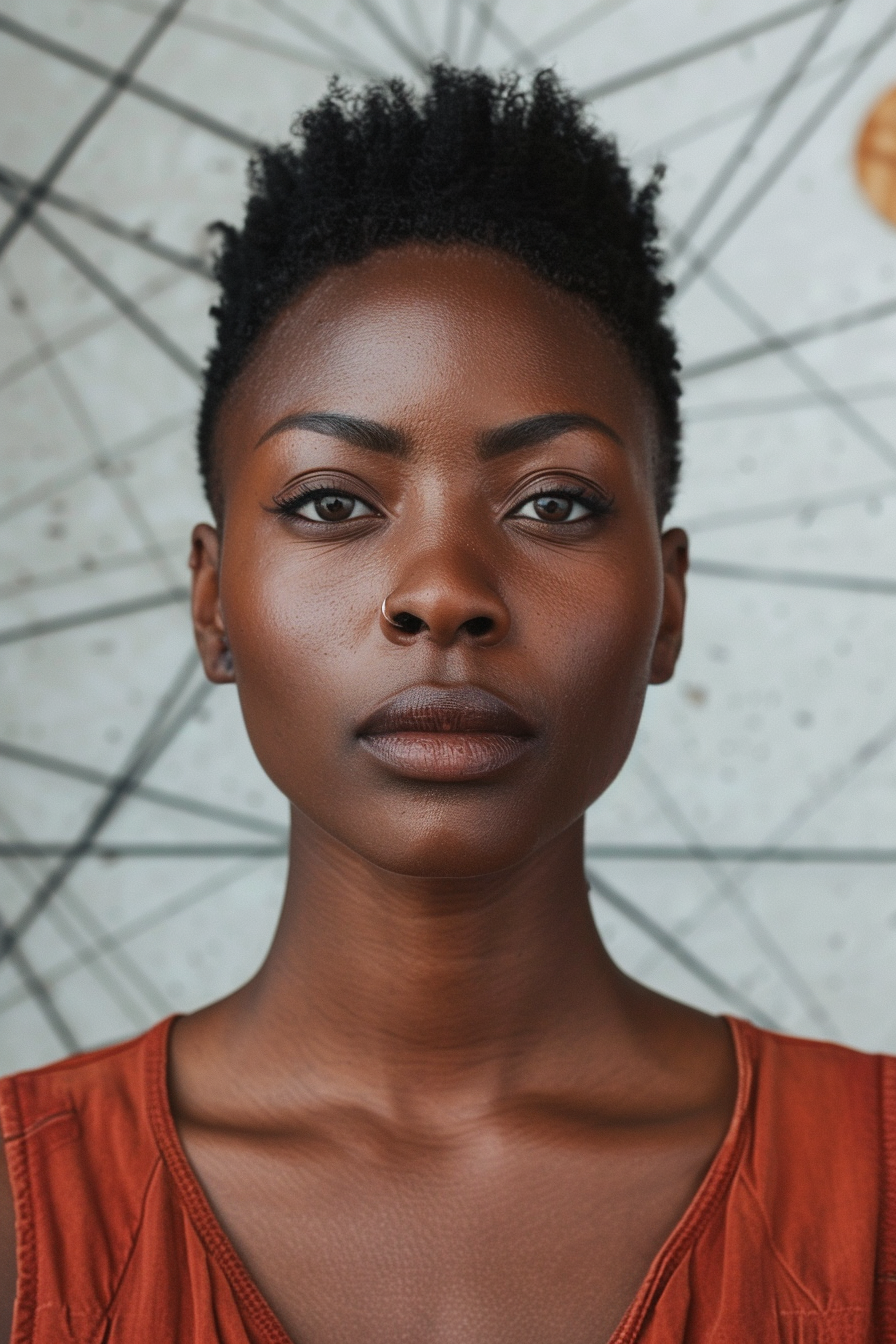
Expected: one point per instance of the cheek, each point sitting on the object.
(298, 642)
(604, 629)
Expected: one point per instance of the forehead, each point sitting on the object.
(432, 335)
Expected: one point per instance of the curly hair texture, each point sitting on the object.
(475, 158)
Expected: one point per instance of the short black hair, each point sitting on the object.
(474, 158)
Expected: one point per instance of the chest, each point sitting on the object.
(489, 1244)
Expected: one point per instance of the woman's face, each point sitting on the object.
(440, 577)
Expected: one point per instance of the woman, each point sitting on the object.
(439, 436)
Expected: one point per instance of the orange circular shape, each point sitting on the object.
(876, 156)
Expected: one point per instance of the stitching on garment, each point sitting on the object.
(779, 1257)
(105, 1322)
(885, 1276)
(36, 1125)
(888, 1135)
(192, 1198)
(23, 1199)
(26, 1229)
(823, 1314)
(791, 1273)
(683, 1239)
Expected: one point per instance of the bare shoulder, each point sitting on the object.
(7, 1250)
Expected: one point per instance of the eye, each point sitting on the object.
(326, 506)
(558, 507)
(333, 508)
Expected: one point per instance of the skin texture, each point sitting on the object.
(439, 1111)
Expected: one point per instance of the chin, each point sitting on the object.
(435, 848)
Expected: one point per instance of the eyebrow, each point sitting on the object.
(379, 438)
(540, 429)
(352, 429)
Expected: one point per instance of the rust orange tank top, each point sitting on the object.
(791, 1238)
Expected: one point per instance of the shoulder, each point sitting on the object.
(817, 1165)
(89, 1111)
(81, 1154)
(795, 1237)
(794, 1242)
(77, 1084)
(829, 1094)
(815, 1103)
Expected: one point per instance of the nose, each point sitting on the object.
(446, 600)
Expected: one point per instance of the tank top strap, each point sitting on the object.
(82, 1157)
(886, 1259)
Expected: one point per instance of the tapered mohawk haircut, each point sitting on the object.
(475, 158)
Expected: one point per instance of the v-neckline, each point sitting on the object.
(710, 1192)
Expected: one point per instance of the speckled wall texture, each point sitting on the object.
(746, 858)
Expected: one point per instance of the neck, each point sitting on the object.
(430, 988)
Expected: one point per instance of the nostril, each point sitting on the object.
(408, 623)
(478, 626)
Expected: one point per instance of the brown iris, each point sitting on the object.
(552, 508)
(334, 508)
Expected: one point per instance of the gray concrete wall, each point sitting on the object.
(779, 730)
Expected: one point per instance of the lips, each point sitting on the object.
(445, 733)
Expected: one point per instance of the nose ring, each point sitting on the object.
(397, 624)
(404, 621)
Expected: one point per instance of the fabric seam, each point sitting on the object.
(816, 1307)
(885, 1269)
(25, 1311)
(192, 1196)
(27, 1130)
(103, 1324)
(715, 1185)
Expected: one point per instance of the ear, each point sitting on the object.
(208, 621)
(669, 636)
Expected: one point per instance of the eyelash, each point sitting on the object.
(289, 507)
(598, 505)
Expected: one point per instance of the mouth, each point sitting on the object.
(446, 733)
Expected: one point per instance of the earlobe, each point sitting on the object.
(671, 630)
(208, 620)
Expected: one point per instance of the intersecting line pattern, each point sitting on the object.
(746, 857)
